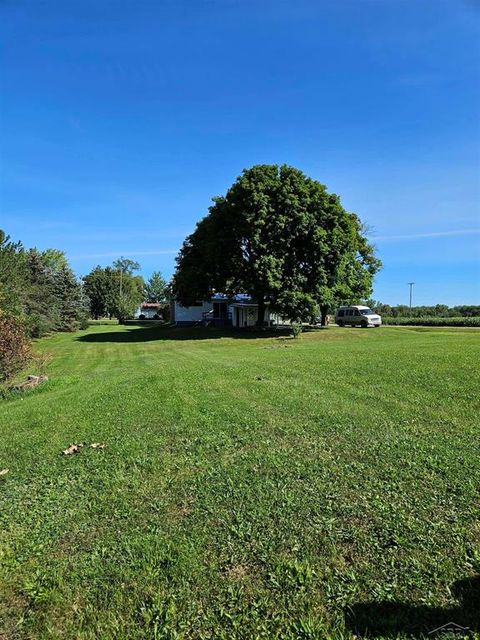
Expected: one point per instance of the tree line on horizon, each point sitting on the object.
(424, 311)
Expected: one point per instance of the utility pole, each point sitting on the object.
(411, 287)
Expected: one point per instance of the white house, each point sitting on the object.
(221, 311)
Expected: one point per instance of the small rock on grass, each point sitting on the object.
(30, 383)
(3, 472)
(98, 445)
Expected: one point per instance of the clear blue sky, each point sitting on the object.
(121, 119)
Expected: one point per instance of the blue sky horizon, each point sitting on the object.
(121, 120)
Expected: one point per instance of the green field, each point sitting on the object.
(251, 486)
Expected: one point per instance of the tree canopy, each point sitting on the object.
(125, 265)
(280, 237)
(114, 291)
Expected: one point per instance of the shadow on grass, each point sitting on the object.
(148, 333)
(390, 619)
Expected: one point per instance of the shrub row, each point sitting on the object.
(14, 346)
(434, 322)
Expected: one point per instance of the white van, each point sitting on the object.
(357, 314)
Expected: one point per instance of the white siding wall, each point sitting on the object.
(250, 314)
(276, 319)
(191, 314)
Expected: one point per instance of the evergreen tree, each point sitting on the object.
(13, 275)
(155, 288)
(42, 308)
(70, 299)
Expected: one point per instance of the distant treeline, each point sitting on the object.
(434, 321)
(434, 311)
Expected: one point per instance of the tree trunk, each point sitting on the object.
(261, 311)
(324, 314)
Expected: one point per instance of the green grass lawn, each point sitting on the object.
(251, 487)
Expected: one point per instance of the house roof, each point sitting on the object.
(247, 304)
(222, 297)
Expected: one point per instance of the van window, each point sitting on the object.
(356, 312)
(341, 313)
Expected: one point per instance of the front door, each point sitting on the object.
(220, 310)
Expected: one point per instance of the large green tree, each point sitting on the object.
(97, 285)
(129, 298)
(114, 291)
(130, 289)
(280, 237)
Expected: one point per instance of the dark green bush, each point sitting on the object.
(296, 330)
(83, 322)
(14, 346)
